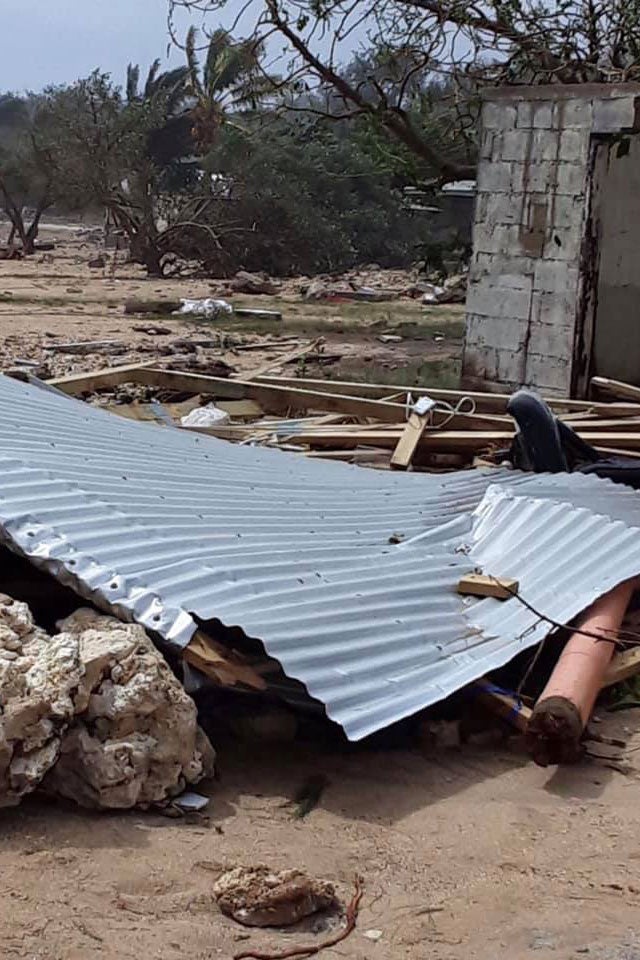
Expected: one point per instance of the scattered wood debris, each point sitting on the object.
(480, 585)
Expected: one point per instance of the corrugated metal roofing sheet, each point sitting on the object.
(167, 525)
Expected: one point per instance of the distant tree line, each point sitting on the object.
(209, 167)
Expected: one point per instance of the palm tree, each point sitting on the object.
(229, 79)
(170, 85)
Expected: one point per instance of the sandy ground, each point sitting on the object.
(471, 853)
(468, 853)
(57, 298)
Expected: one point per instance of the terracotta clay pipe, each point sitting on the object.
(563, 709)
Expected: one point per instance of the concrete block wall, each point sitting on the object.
(531, 212)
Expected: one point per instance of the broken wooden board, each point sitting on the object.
(103, 379)
(408, 442)
(219, 663)
(240, 409)
(147, 412)
(480, 585)
(449, 441)
(616, 388)
(485, 402)
(256, 314)
(296, 354)
(502, 703)
(272, 399)
(625, 664)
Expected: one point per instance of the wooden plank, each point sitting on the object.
(256, 314)
(502, 704)
(102, 379)
(443, 441)
(616, 388)
(351, 456)
(219, 663)
(272, 399)
(281, 400)
(485, 402)
(479, 585)
(613, 452)
(625, 664)
(409, 440)
(453, 441)
(611, 426)
(240, 408)
(300, 351)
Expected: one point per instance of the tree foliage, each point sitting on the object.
(467, 44)
(195, 166)
(304, 199)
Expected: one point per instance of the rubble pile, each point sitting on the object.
(92, 714)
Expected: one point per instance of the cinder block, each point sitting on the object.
(548, 374)
(535, 177)
(486, 144)
(498, 115)
(488, 238)
(545, 145)
(543, 114)
(574, 114)
(563, 244)
(612, 116)
(524, 114)
(497, 265)
(551, 340)
(555, 276)
(567, 211)
(516, 145)
(504, 208)
(571, 179)
(574, 146)
(494, 176)
(490, 298)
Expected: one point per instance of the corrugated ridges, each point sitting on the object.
(164, 524)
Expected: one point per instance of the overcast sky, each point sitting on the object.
(58, 41)
(46, 42)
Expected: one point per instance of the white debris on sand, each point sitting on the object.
(93, 714)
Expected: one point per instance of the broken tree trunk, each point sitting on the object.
(564, 707)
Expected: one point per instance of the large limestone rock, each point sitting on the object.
(93, 714)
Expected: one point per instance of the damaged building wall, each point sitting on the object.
(616, 338)
(526, 289)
